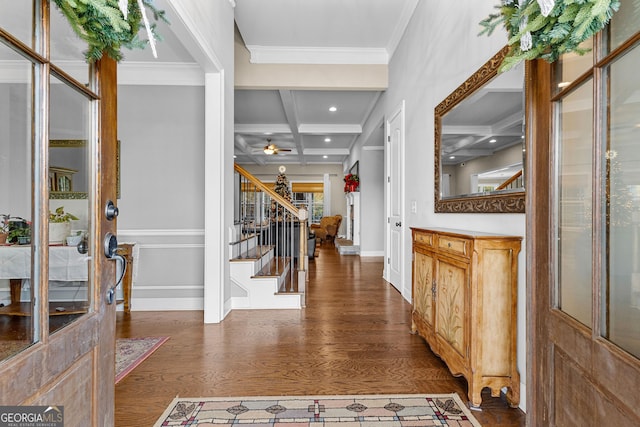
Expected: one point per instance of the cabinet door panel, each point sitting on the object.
(451, 303)
(423, 296)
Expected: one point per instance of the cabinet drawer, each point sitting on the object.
(454, 245)
(423, 238)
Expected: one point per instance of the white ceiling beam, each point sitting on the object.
(289, 106)
(326, 151)
(322, 129)
(466, 130)
(262, 128)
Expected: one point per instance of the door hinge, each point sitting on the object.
(388, 220)
(388, 138)
(388, 260)
(388, 179)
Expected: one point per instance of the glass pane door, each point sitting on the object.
(574, 142)
(69, 185)
(16, 296)
(621, 204)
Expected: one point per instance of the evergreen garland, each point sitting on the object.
(102, 25)
(569, 23)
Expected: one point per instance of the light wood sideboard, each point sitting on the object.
(465, 305)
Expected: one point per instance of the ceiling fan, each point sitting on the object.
(271, 149)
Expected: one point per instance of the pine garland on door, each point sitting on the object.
(109, 25)
(546, 28)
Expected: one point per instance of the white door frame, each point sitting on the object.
(386, 274)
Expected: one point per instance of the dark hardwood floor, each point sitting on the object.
(352, 338)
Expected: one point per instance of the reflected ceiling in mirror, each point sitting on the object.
(479, 141)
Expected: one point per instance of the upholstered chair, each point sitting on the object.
(328, 228)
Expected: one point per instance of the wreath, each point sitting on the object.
(546, 28)
(109, 25)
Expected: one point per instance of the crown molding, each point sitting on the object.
(160, 74)
(317, 55)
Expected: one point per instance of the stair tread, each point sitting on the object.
(274, 268)
(254, 253)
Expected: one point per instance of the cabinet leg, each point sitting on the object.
(513, 395)
(15, 290)
(475, 396)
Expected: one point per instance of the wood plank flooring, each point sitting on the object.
(352, 338)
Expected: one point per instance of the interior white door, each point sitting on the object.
(395, 140)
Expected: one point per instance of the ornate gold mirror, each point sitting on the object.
(479, 143)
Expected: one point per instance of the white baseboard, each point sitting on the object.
(167, 304)
(372, 253)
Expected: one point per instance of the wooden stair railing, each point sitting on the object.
(509, 181)
(275, 220)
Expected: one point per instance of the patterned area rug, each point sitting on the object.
(130, 352)
(341, 411)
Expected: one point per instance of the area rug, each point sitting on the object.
(130, 352)
(302, 411)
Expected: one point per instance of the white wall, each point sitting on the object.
(372, 212)
(439, 51)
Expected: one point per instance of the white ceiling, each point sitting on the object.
(318, 32)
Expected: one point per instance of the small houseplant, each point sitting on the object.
(20, 235)
(60, 225)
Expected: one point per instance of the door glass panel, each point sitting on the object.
(16, 19)
(570, 66)
(622, 206)
(69, 171)
(67, 49)
(624, 23)
(574, 143)
(16, 322)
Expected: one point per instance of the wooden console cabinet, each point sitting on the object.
(465, 305)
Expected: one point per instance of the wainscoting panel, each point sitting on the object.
(168, 269)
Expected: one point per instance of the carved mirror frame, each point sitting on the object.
(495, 202)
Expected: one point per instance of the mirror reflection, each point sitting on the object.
(482, 139)
(479, 142)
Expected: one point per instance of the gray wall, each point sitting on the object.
(161, 132)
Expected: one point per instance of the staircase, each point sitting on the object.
(267, 248)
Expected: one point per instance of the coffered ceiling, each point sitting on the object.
(314, 32)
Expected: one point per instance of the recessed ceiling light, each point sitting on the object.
(268, 133)
(452, 157)
(492, 141)
(325, 157)
(333, 109)
(327, 140)
(235, 157)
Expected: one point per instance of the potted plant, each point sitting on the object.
(20, 235)
(60, 225)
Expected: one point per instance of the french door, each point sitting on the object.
(584, 232)
(57, 151)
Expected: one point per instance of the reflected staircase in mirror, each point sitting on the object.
(267, 247)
